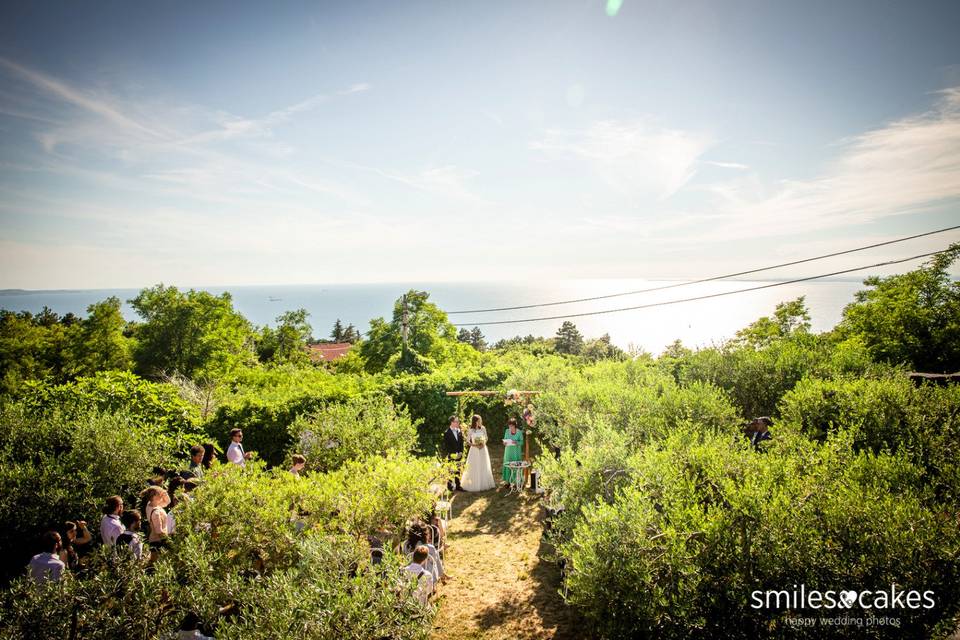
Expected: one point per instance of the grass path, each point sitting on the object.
(500, 586)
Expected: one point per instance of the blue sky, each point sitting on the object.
(281, 143)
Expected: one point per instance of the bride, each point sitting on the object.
(478, 476)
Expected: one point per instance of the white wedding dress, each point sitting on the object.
(477, 476)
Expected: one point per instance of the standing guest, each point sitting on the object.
(209, 455)
(131, 538)
(75, 534)
(47, 564)
(453, 447)
(156, 500)
(196, 460)
(512, 445)
(299, 462)
(110, 525)
(235, 452)
(423, 578)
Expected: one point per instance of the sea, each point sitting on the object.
(698, 314)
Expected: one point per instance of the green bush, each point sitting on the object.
(886, 414)
(705, 521)
(632, 397)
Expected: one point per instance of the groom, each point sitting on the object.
(453, 447)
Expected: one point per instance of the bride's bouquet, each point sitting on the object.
(478, 440)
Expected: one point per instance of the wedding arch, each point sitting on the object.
(510, 397)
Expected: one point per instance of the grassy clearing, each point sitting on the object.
(502, 587)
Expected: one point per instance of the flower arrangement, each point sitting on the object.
(478, 440)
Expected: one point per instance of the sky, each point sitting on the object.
(232, 143)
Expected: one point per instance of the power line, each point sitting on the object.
(703, 297)
(710, 279)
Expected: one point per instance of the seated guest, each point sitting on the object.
(75, 534)
(235, 452)
(47, 564)
(299, 462)
(131, 538)
(190, 629)
(376, 550)
(418, 536)
(196, 460)
(110, 525)
(423, 578)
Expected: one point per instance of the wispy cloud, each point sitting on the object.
(637, 158)
(906, 166)
(727, 165)
(95, 105)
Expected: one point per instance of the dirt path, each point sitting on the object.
(500, 586)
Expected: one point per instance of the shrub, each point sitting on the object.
(705, 522)
(352, 430)
(153, 405)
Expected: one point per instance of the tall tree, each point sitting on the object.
(911, 318)
(338, 333)
(292, 334)
(569, 339)
(98, 343)
(428, 334)
(194, 333)
(789, 319)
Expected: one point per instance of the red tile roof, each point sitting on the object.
(328, 352)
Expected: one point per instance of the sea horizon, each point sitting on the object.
(696, 323)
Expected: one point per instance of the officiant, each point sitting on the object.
(453, 447)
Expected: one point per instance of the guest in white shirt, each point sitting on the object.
(423, 578)
(110, 525)
(299, 462)
(47, 565)
(235, 452)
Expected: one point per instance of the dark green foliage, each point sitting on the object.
(473, 337)
(195, 333)
(911, 319)
(98, 343)
(568, 340)
(31, 348)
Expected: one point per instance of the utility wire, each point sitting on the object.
(711, 279)
(703, 297)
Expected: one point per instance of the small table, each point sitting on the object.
(517, 475)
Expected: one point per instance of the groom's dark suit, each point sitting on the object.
(453, 447)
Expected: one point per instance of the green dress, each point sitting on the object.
(511, 453)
